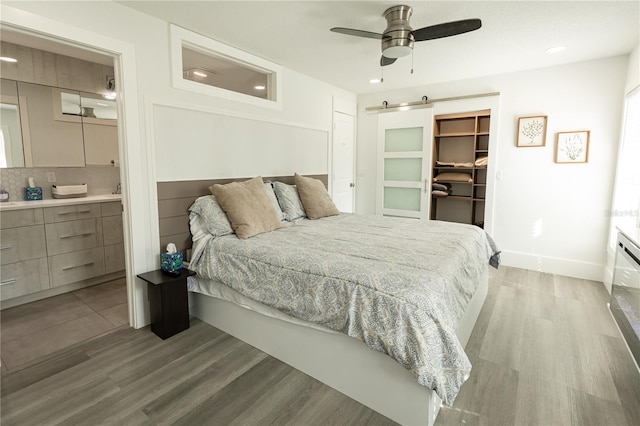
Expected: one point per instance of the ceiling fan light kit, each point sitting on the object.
(399, 37)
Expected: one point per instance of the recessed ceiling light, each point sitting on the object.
(259, 87)
(200, 73)
(555, 49)
(374, 81)
(8, 59)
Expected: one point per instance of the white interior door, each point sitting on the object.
(343, 161)
(404, 163)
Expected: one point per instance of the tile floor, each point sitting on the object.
(36, 329)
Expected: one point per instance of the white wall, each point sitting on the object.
(548, 217)
(306, 102)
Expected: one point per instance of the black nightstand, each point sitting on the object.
(168, 301)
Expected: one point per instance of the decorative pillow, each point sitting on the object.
(453, 177)
(212, 216)
(247, 206)
(315, 198)
(289, 200)
(274, 200)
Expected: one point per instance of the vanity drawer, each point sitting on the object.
(24, 243)
(73, 212)
(112, 230)
(66, 237)
(112, 209)
(26, 217)
(18, 279)
(71, 267)
(114, 258)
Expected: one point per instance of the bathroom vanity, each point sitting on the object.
(55, 246)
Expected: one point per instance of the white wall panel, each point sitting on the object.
(193, 145)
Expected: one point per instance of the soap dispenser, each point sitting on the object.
(4, 196)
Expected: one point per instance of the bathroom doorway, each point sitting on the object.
(84, 306)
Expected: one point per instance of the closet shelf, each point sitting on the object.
(452, 181)
(455, 167)
(453, 197)
(454, 135)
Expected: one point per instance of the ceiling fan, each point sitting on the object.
(398, 38)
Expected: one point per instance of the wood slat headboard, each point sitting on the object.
(175, 198)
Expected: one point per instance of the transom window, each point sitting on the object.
(203, 65)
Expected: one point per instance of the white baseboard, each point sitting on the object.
(553, 265)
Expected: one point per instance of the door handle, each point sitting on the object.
(352, 185)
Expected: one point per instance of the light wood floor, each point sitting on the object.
(544, 351)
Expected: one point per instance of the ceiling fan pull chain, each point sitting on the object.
(412, 55)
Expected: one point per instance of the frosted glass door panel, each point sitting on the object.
(402, 198)
(403, 164)
(403, 169)
(403, 140)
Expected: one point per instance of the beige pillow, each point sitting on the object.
(453, 177)
(315, 198)
(247, 206)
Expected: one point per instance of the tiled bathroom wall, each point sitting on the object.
(99, 180)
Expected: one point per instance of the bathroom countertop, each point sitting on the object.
(55, 202)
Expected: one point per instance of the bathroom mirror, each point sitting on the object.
(11, 149)
(44, 126)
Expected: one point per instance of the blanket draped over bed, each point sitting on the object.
(398, 285)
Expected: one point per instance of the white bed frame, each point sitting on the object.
(341, 362)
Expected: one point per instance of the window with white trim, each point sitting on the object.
(203, 65)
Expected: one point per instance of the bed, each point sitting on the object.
(378, 308)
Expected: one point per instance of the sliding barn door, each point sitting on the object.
(404, 160)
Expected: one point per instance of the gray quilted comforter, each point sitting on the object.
(399, 285)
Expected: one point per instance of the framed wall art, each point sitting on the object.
(572, 147)
(532, 131)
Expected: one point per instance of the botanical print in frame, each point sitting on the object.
(532, 131)
(573, 147)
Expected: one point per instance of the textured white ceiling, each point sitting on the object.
(514, 35)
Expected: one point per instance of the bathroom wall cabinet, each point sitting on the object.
(66, 128)
(52, 250)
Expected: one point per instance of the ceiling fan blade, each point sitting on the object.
(358, 33)
(446, 29)
(384, 61)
